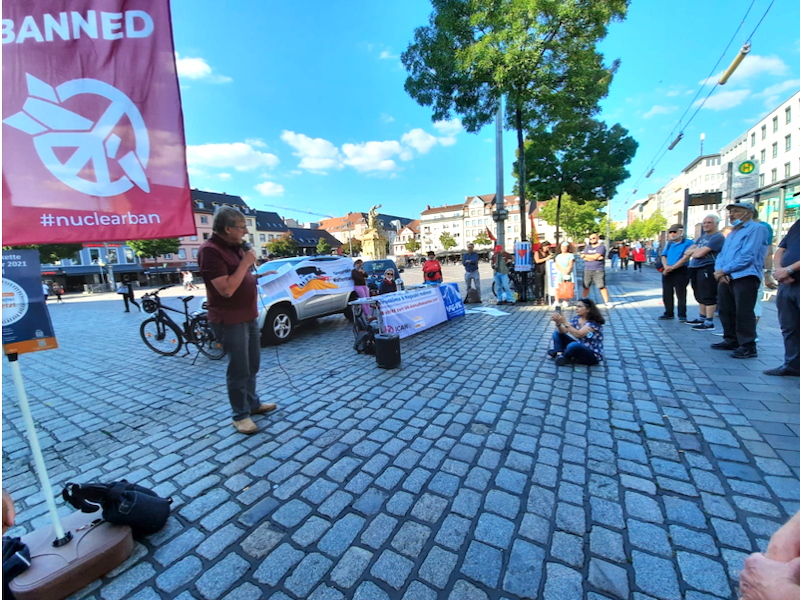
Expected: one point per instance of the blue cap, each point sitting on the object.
(746, 205)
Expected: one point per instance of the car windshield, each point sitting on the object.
(274, 265)
(378, 267)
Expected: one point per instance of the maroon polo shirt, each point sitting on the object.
(218, 258)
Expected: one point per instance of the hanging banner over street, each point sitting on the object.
(92, 111)
(26, 322)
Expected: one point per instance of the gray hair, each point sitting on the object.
(712, 216)
(226, 216)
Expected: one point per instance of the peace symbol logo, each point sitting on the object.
(53, 126)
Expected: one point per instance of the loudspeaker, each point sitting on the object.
(387, 350)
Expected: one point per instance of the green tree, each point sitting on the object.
(578, 219)
(356, 244)
(413, 245)
(655, 224)
(50, 253)
(154, 248)
(447, 240)
(283, 246)
(482, 239)
(323, 247)
(540, 54)
(615, 231)
(636, 229)
(579, 157)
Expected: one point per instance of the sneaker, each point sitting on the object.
(666, 317)
(718, 333)
(245, 426)
(264, 408)
(704, 326)
(696, 322)
(724, 346)
(783, 371)
(561, 361)
(609, 305)
(552, 353)
(744, 353)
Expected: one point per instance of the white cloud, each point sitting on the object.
(269, 188)
(257, 142)
(659, 110)
(673, 93)
(316, 154)
(419, 140)
(387, 118)
(375, 156)
(238, 155)
(198, 68)
(224, 176)
(448, 128)
(387, 54)
(752, 66)
(295, 172)
(779, 88)
(724, 100)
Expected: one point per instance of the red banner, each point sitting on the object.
(93, 136)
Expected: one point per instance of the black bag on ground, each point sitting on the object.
(16, 560)
(473, 296)
(123, 503)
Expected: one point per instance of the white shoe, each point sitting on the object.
(609, 305)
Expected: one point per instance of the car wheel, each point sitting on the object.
(278, 326)
(348, 312)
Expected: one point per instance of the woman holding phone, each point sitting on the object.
(578, 340)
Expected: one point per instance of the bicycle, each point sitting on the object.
(164, 336)
(515, 283)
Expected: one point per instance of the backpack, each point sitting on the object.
(123, 503)
(473, 296)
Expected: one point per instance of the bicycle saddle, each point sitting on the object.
(186, 298)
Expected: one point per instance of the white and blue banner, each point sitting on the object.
(522, 256)
(412, 311)
(453, 303)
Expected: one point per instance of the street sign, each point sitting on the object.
(522, 257)
(745, 177)
(705, 198)
(26, 322)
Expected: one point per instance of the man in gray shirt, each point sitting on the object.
(701, 272)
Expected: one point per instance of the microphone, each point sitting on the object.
(246, 246)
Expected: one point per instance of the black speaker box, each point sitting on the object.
(387, 350)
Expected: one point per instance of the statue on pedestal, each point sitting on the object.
(373, 241)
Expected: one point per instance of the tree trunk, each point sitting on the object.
(558, 222)
(522, 181)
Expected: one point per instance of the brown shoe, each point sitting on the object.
(245, 426)
(265, 408)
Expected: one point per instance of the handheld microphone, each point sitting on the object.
(246, 246)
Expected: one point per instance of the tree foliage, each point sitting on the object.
(413, 245)
(540, 54)
(643, 229)
(283, 246)
(482, 239)
(356, 245)
(323, 247)
(51, 253)
(154, 248)
(447, 240)
(578, 219)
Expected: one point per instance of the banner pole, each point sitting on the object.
(38, 459)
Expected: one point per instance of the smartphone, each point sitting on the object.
(558, 308)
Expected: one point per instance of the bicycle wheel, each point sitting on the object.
(205, 339)
(161, 336)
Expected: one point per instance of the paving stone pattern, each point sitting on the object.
(478, 470)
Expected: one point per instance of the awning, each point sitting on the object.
(80, 270)
(160, 270)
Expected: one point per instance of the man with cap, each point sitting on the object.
(675, 273)
(787, 273)
(501, 262)
(738, 271)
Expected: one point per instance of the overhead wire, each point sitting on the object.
(659, 155)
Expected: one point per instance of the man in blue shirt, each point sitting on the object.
(739, 269)
(787, 272)
(675, 276)
(471, 274)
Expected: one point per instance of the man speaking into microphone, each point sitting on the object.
(226, 262)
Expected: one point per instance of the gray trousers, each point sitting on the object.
(475, 277)
(242, 342)
(788, 303)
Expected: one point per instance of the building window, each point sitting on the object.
(204, 220)
(94, 256)
(774, 175)
(774, 124)
(111, 256)
(775, 150)
(271, 237)
(168, 257)
(205, 236)
(182, 254)
(76, 260)
(788, 142)
(130, 257)
(788, 114)
(763, 156)
(194, 252)
(787, 169)
(763, 132)
(249, 222)
(193, 238)
(761, 180)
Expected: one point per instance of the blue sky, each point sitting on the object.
(302, 105)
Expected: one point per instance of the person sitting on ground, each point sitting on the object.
(578, 340)
(776, 575)
(388, 284)
(432, 270)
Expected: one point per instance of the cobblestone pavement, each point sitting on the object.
(476, 470)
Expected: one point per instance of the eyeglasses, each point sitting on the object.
(239, 227)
